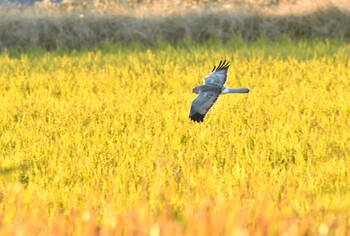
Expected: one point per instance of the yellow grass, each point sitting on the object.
(99, 142)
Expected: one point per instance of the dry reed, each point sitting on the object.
(89, 24)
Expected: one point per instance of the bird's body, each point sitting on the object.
(209, 92)
(223, 90)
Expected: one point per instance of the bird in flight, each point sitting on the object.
(209, 92)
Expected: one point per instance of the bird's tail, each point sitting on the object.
(236, 90)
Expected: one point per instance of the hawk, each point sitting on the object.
(209, 92)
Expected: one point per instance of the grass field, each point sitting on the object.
(99, 142)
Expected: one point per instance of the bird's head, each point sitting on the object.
(196, 90)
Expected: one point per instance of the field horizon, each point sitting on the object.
(79, 25)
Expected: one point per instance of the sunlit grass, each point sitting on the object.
(100, 141)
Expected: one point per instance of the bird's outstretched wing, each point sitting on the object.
(218, 75)
(202, 104)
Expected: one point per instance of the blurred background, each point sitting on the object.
(78, 23)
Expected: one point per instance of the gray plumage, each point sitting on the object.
(209, 92)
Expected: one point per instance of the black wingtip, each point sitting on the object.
(220, 64)
(223, 64)
(197, 117)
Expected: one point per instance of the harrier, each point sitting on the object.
(209, 92)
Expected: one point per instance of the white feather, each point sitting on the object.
(235, 90)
